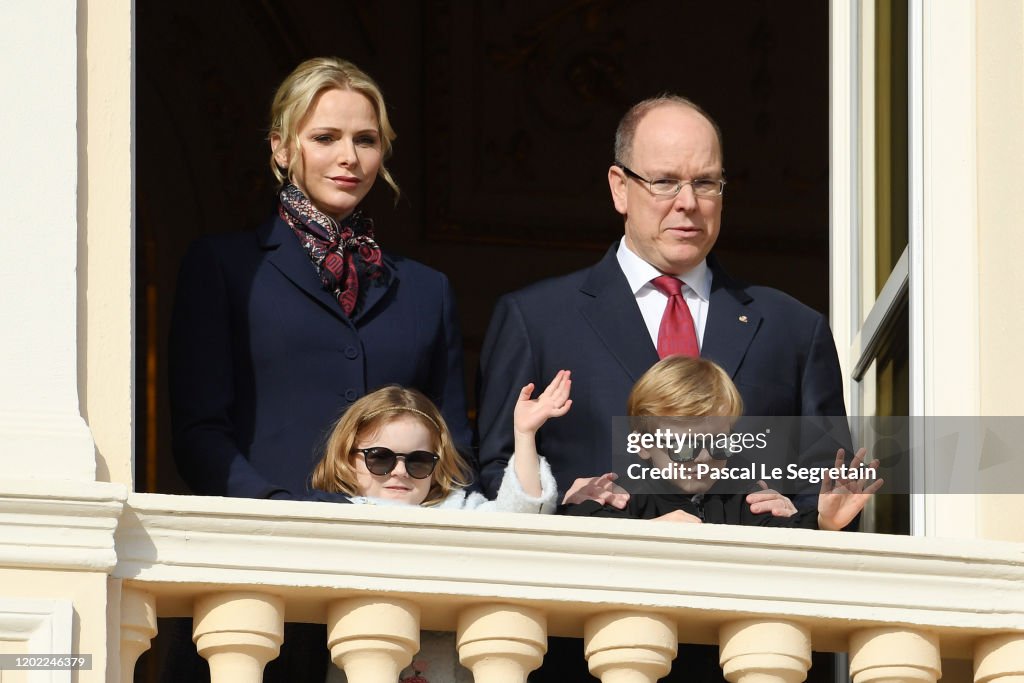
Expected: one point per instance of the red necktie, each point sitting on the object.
(677, 335)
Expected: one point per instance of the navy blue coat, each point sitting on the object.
(779, 352)
(263, 359)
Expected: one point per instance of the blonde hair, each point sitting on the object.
(336, 472)
(295, 97)
(681, 386)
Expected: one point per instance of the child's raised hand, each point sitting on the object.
(531, 414)
(841, 499)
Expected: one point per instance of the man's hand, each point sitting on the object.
(679, 516)
(530, 415)
(841, 500)
(603, 489)
(770, 500)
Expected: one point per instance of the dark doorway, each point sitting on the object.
(505, 113)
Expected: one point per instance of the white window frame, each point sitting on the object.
(939, 270)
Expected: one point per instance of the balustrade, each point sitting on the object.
(504, 583)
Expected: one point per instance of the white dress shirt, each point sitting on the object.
(652, 303)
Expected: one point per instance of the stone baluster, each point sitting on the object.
(373, 639)
(138, 626)
(501, 643)
(630, 647)
(238, 633)
(764, 651)
(894, 654)
(999, 659)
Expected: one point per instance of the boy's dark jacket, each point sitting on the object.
(650, 502)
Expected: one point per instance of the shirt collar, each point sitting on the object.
(639, 273)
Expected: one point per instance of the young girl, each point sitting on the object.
(393, 447)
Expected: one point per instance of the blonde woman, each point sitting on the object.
(278, 330)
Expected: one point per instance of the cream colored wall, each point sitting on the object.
(66, 266)
(1001, 202)
(944, 309)
(88, 593)
(1000, 136)
(106, 216)
(42, 433)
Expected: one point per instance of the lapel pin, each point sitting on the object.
(743, 319)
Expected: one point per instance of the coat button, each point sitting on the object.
(351, 352)
(351, 395)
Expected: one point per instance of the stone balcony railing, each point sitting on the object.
(503, 582)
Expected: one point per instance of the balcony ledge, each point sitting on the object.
(702, 576)
(59, 524)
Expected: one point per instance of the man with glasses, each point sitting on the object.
(657, 292)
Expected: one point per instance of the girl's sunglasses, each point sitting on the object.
(381, 461)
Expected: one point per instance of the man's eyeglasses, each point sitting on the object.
(381, 461)
(670, 187)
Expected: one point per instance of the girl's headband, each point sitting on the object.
(396, 409)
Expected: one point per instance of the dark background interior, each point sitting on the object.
(505, 113)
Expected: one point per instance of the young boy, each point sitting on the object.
(684, 387)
